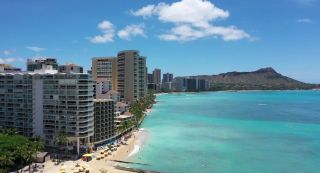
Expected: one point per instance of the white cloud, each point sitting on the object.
(10, 60)
(182, 33)
(196, 12)
(107, 35)
(192, 19)
(230, 33)
(35, 48)
(105, 26)
(188, 33)
(145, 12)
(131, 30)
(304, 20)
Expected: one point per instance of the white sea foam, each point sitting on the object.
(135, 150)
(141, 137)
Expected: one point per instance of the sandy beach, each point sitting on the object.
(122, 153)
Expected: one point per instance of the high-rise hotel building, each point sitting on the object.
(167, 77)
(105, 69)
(37, 63)
(167, 81)
(132, 75)
(157, 76)
(45, 102)
(104, 126)
(127, 73)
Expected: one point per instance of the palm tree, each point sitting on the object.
(20, 152)
(38, 144)
(138, 107)
(9, 131)
(61, 140)
(6, 160)
(29, 151)
(121, 128)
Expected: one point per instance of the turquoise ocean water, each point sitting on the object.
(233, 132)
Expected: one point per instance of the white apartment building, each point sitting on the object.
(44, 102)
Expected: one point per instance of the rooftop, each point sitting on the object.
(126, 51)
(124, 116)
(46, 69)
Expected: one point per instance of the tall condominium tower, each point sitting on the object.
(167, 77)
(132, 75)
(44, 103)
(156, 76)
(104, 129)
(150, 78)
(105, 68)
(167, 81)
(37, 63)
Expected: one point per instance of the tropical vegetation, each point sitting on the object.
(125, 125)
(61, 142)
(140, 106)
(138, 109)
(16, 150)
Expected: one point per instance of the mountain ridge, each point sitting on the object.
(261, 79)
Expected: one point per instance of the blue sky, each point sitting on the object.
(186, 37)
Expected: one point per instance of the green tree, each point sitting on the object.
(121, 129)
(6, 160)
(29, 152)
(138, 107)
(9, 131)
(38, 144)
(61, 141)
(17, 150)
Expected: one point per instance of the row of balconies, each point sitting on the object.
(103, 122)
(76, 118)
(75, 97)
(103, 129)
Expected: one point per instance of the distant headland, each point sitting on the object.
(262, 79)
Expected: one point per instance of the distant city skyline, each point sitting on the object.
(184, 37)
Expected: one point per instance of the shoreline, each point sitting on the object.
(123, 154)
(180, 92)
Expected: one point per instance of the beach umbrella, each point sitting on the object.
(63, 168)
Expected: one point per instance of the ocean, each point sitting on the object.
(232, 132)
